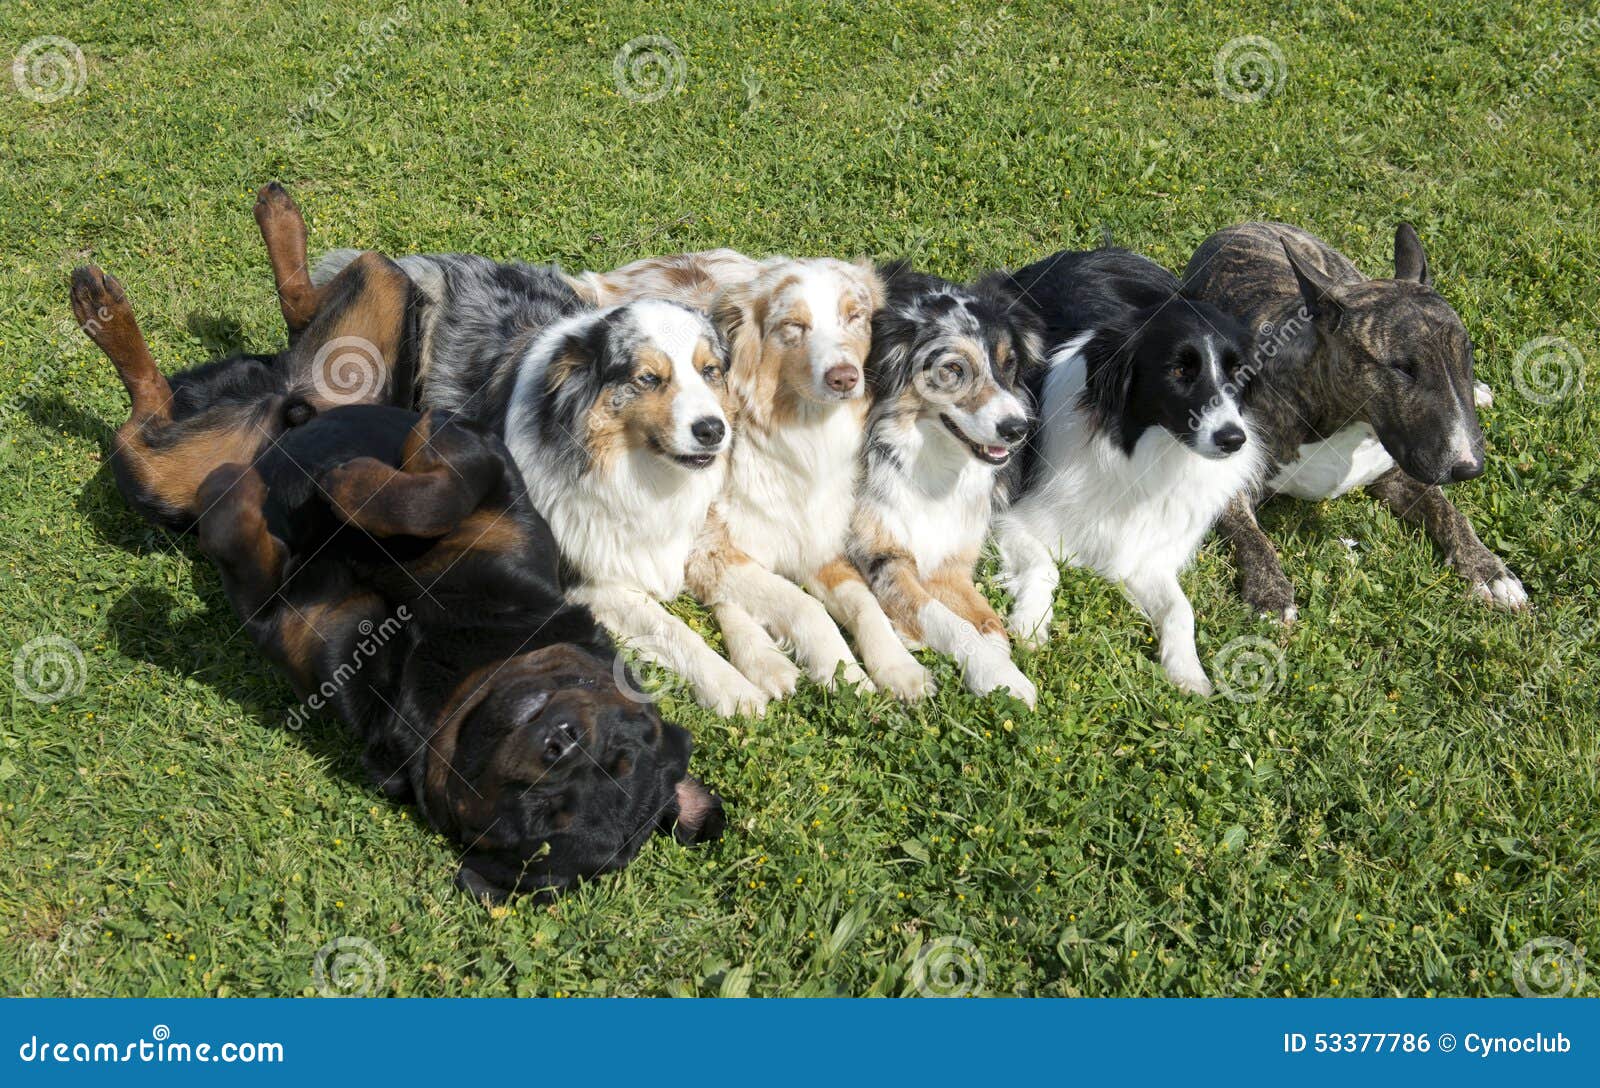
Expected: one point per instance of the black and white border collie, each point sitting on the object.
(620, 420)
(1141, 445)
(949, 370)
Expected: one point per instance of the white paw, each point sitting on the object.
(852, 674)
(905, 680)
(770, 671)
(1482, 395)
(1504, 592)
(1030, 630)
(734, 695)
(1190, 676)
(1285, 616)
(993, 671)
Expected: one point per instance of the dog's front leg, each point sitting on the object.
(1161, 598)
(841, 588)
(233, 532)
(1262, 583)
(1426, 505)
(640, 622)
(743, 592)
(1029, 573)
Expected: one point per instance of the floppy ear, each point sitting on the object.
(1314, 287)
(1410, 262)
(873, 282)
(734, 313)
(695, 815)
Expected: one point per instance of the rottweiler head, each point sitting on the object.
(548, 773)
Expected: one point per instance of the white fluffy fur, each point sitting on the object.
(1137, 519)
(629, 530)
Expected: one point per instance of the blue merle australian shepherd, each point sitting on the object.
(950, 408)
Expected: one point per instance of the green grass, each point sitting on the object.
(1413, 801)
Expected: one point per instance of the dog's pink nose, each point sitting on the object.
(842, 378)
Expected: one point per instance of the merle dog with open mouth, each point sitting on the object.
(949, 370)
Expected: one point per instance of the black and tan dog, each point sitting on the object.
(1354, 382)
(492, 702)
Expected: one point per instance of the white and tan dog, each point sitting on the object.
(798, 331)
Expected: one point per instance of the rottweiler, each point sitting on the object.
(391, 564)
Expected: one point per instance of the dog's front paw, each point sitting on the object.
(769, 670)
(993, 670)
(1029, 629)
(1503, 592)
(1269, 594)
(906, 680)
(1189, 676)
(734, 695)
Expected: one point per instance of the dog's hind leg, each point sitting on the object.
(1029, 573)
(358, 348)
(1159, 596)
(101, 308)
(232, 531)
(1262, 583)
(283, 229)
(1426, 505)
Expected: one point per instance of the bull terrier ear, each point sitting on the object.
(1410, 262)
(1314, 288)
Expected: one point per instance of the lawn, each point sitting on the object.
(1397, 804)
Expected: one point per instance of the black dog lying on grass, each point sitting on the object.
(492, 702)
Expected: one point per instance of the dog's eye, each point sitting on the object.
(854, 318)
(712, 373)
(950, 373)
(792, 330)
(1407, 366)
(649, 381)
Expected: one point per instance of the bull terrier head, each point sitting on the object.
(1399, 349)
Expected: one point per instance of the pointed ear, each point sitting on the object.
(1314, 287)
(1410, 262)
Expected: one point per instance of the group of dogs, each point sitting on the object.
(531, 463)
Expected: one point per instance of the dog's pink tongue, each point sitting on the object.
(996, 451)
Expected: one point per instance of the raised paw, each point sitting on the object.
(98, 302)
(1503, 592)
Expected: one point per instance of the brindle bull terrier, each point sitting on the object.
(1358, 383)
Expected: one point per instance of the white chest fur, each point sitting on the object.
(1325, 470)
(1117, 513)
(790, 490)
(941, 504)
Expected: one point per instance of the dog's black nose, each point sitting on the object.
(1229, 439)
(559, 739)
(1466, 470)
(708, 431)
(1012, 429)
